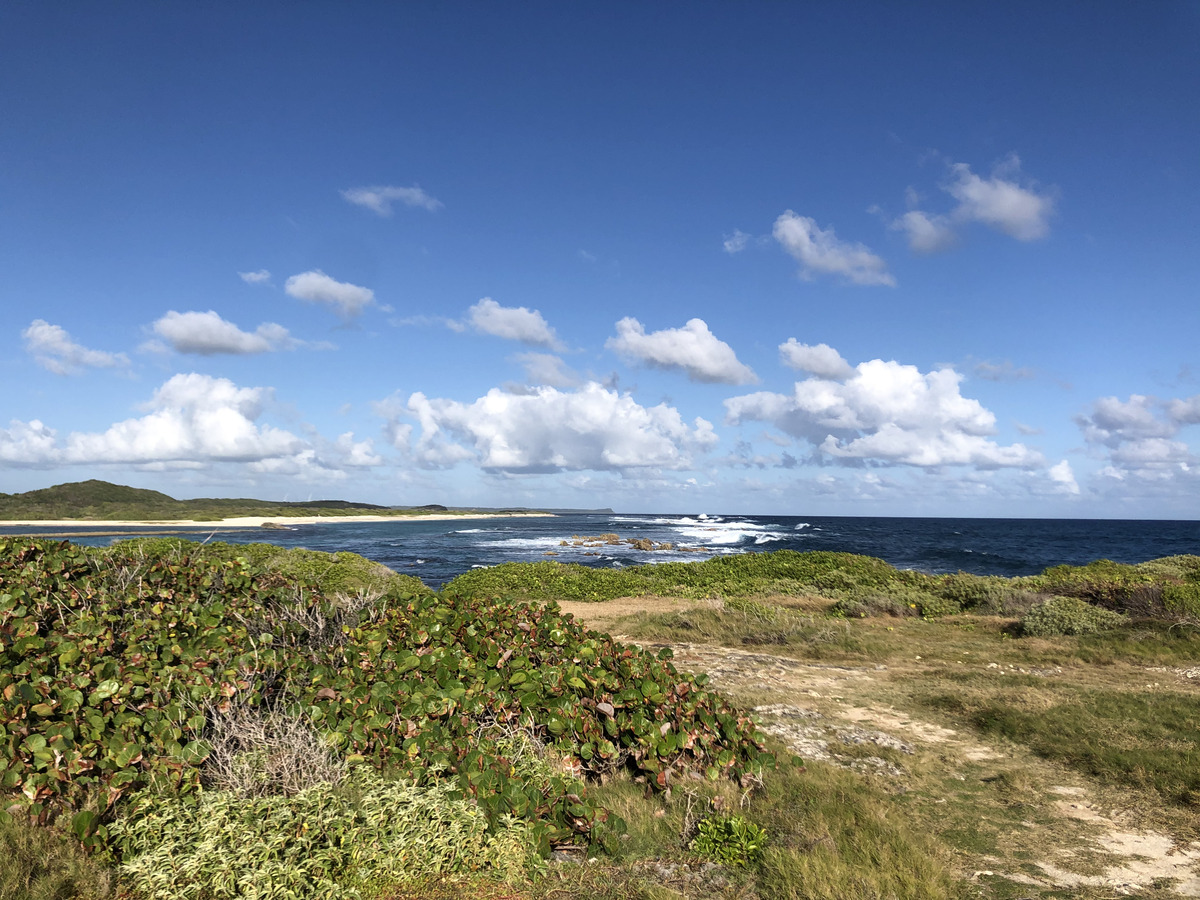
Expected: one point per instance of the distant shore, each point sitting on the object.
(259, 521)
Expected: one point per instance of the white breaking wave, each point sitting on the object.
(769, 538)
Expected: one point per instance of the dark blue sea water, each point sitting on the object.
(437, 551)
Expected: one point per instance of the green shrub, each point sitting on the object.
(1103, 581)
(986, 594)
(321, 842)
(1185, 567)
(934, 607)
(899, 602)
(1068, 615)
(735, 575)
(1182, 599)
(117, 678)
(732, 840)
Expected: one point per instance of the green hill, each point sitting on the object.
(103, 500)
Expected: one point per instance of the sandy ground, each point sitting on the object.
(256, 521)
(814, 707)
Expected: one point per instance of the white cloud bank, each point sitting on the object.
(1004, 202)
(315, 286)
(692, 349)
(207, 334)
(513, 323)
(820, 252)
(379, 199)
(1139, 437)
(54, 350)
(548, 430)
(192, 421)
(881, 413)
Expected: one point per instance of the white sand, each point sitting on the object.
(257, 521)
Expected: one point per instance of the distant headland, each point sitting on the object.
(101, 502)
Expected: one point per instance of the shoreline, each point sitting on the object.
(255, 521)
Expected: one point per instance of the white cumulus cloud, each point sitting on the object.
(1139, 437)
(1114, 422)
(692, 349)
(820, 360)
(1004, 201)
(191, 417)
(316, 287)
(1185, 412)
(379, 199)
(1063, 477)
(513, 323)
(259, 277)
(820, 252)
(886, 413)
(193, 421)
(207, 334)
(926, 233)
(28, 444)
(999, 202)
(54, 349)
(548, 430)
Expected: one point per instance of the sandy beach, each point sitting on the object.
(256, 521)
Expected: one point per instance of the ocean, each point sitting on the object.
(437, 551)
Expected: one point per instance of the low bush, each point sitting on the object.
(1103, 582)
(985, 594)
(1068, 615)
(731, 840)
(903, 601)
(326, 841)
(1185, 567)
(1182, 600)
(735, 575)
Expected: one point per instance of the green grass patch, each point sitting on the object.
(1148, 739)
(772, 629)
(39, 863)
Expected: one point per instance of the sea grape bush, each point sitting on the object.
(732, 840)
(106, 670)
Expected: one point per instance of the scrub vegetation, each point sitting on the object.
(225, 721)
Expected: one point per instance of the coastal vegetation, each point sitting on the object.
(246, 721)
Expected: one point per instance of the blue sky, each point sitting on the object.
(855, 259)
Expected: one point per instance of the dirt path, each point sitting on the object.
(1051, 831)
